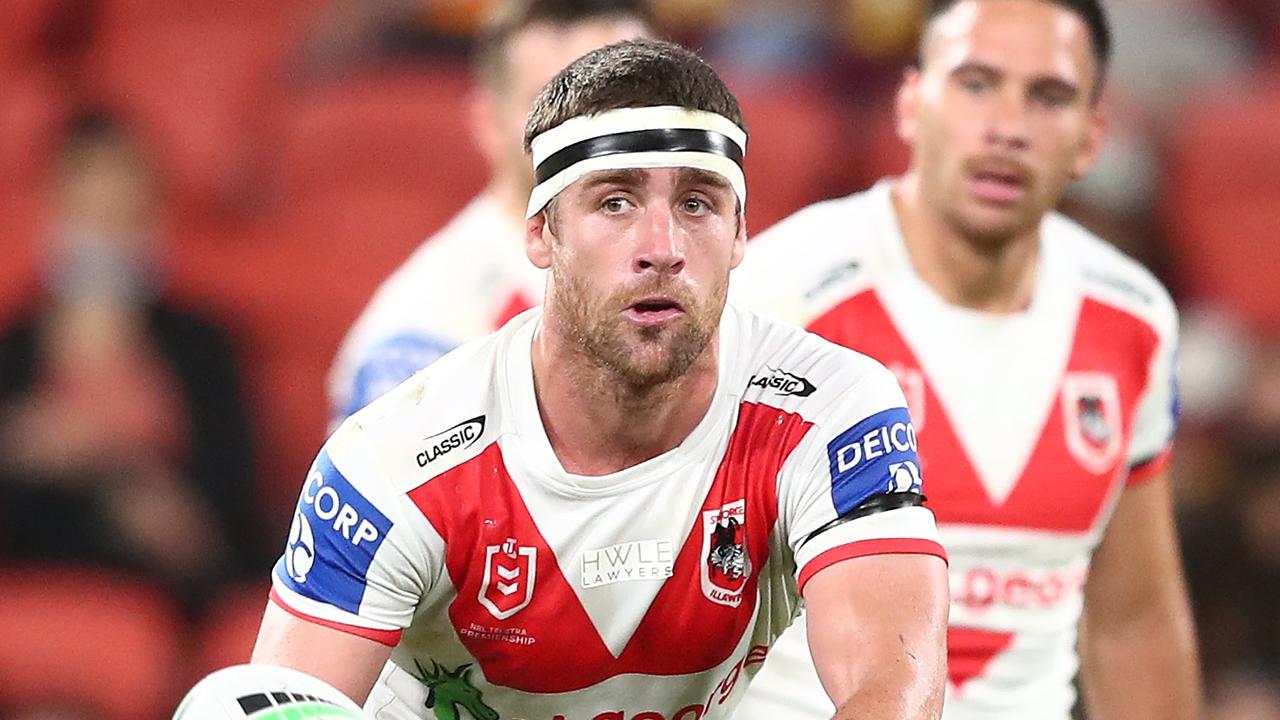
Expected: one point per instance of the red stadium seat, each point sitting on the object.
(20, 33)
(82, 636)
(404, 129)
(1223, 188)
(33, 114)
(203, 93)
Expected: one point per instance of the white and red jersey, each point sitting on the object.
(438, 520)
(460, 285)
(1030, 424)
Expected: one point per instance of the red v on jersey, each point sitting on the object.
(1079, 456)
(478, 511)
(970, 651)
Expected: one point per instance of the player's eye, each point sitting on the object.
(1054, 98)
(615, 204)
(696, 205)
(975, 85)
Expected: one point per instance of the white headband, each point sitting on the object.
(648, 137)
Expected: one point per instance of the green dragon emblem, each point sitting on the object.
(449, 689)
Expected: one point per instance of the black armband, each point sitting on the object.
(871, 506)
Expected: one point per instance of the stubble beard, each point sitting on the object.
(638, 359)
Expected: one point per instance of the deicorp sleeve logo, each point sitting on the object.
(875, 457)
(336, 532)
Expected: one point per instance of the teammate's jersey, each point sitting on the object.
(1030, 424)
(438, 520)
(462, 284)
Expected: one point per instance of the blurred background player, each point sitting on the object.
(1038, 363)
(470, 278)
(610, 506)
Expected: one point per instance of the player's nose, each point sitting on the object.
(661, 243)
(1007, 121)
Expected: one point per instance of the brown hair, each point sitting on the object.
(633, 73)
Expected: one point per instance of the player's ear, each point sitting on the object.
(1091, 141)
(537, 240)
(905, 104)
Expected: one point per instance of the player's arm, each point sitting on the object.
(1137, 644)
(351, 574)
(877, 632)
(348, 662)
(870, 566)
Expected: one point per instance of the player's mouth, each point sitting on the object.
(654, 310)
(1000, 182)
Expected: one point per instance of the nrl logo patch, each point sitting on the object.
(783, 383)
(509, 574)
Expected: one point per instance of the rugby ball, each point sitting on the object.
(265, 692)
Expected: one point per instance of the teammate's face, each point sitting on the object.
(1000, 116)
(534, 56)
(639, 264)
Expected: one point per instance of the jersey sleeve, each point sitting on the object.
(854, 486)
(1156, 417)
(352, 561)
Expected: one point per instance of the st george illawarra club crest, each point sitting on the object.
(510, 571)
(726, 563)
(1091, 417)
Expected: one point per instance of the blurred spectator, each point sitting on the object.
(123, 440)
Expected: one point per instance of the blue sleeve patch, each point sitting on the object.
(390, 363)
(336, 532)
(875, 457)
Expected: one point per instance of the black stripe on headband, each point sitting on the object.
(637, 141)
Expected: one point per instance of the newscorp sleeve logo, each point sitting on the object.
(336, 532)
(462, 435)
(875, 457)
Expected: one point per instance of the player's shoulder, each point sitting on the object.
(442, 416)
(824, 247)
(1109, 276)
(795, 370)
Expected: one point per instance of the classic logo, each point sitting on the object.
(727, 564)
(1091, 417)
(462, 435)
(509, 575)
(449, 690)
(783, 383)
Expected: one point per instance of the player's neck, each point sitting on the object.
(598, 425)
(983, 276)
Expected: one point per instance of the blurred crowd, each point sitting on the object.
(198, 197)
